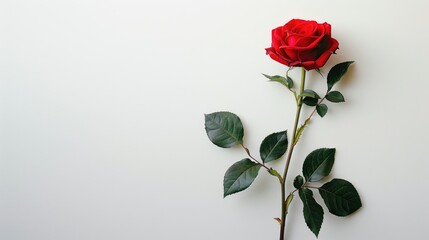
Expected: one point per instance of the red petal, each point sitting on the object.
(320, 62)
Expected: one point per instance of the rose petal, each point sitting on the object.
(292, 23)
(302, 43)
(278, 58)
(309, 55)
(305, 41)
(327, 28)
(309, 65)
(333, 45)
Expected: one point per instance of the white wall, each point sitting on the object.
(101, 118)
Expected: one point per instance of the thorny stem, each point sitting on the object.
(314, 110)
(285, 202)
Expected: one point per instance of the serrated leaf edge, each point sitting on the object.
(284, 136)
(237, 140)
(226, 192)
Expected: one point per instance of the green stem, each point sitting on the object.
(254, 159)
(286, 202)
(315, 109)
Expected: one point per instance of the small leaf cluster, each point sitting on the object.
(339, 195)
(225, 130)
(286, 81)
(311, 98)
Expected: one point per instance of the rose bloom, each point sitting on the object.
(301, 43)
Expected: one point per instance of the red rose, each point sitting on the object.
(301, 43)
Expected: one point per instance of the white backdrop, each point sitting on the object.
(102, 128)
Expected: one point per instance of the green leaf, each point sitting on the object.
(341, 197)
(240, 176)
(301, 130)
(286, 81)
(335, 97)
(337, 72)
(289, 200)
(274, 172)
(309, 93)
(224, 129)
(318, 164)
(309, 101)
(313, 212)
(298, 182)
(273, 146)
(322, 109)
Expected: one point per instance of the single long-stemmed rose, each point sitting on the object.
(308, 45)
